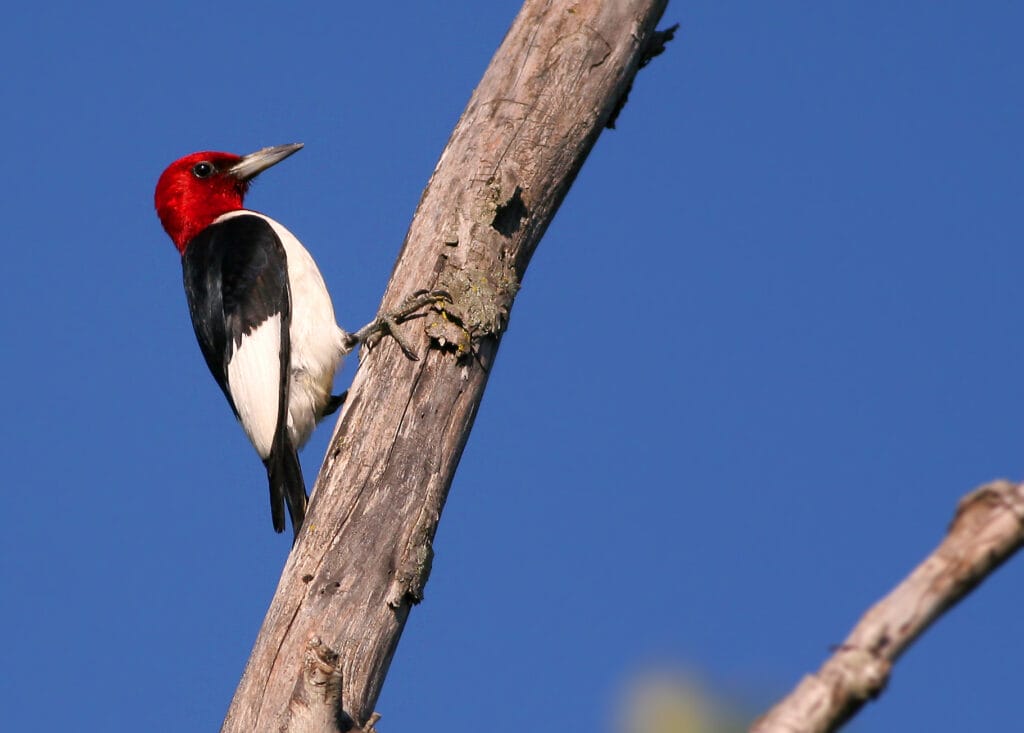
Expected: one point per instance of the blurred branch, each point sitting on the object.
(364, 553)
(987, 529)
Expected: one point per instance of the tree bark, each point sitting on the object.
(361, 561)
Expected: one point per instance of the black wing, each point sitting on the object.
(236, 277)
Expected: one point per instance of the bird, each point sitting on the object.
(260, 310)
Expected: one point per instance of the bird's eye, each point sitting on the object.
(202, 170)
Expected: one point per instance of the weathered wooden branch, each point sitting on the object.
(987, 529)
(364, 553)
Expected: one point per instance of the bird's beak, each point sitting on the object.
(255, 163)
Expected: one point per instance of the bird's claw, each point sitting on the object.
(386, 324)
(419, 299)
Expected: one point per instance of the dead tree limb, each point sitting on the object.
(364, 552)
(987, 529)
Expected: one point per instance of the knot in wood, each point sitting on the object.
(864, 672)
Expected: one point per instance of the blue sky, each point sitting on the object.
(772, 336)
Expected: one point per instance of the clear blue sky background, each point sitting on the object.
(771, 338)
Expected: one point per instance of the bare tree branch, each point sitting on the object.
(987, 529)
(364, 553)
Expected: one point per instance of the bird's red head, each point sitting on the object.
(198, 188)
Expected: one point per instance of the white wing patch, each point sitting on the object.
(254, 375)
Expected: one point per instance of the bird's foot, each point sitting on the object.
(386, 323)
(333, 403)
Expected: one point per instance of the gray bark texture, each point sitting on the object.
(360, 563)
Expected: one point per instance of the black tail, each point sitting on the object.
(286, 485)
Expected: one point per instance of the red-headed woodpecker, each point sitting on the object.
(260, 310)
